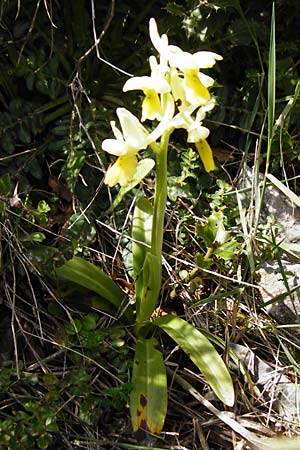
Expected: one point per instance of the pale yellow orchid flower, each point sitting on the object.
(122, 171)
(197, 133)
(184, 119)
(151, 86)
(177, 57)
(133, 138)
(194, 83)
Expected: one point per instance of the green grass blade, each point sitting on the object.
(201, 351)
(284, 189)
(286, 113)
(272, 77)
(149, 395)
(271, 107)
(247, 235)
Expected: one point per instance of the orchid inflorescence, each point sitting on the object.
(176, 96)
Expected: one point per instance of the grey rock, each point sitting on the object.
(288, 401)
(279, 281)
(281, 284)
(285, 213)
(275, 204)
(271, 383)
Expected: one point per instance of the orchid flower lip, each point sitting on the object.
(151, 108)
(121, 171)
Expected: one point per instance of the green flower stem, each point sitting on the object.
(152, 269)
(160, 197)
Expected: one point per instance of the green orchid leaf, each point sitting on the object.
(87, 275)
(149, 395)
(141, 233)
(201, 351)
(144, 166)
(149, 287)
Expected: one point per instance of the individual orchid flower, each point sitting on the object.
(194, 83)
(151, 86)
(197, 133)
(194, 127)
(184, 119)
(133, 138)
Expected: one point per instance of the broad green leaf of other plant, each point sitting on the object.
(201, 351)
(87, 275)
(149, 396)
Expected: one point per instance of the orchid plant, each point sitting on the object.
(176, 95)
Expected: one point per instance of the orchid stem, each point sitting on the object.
(160, 199)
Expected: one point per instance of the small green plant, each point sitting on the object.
(217, 239)
(176, 96)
